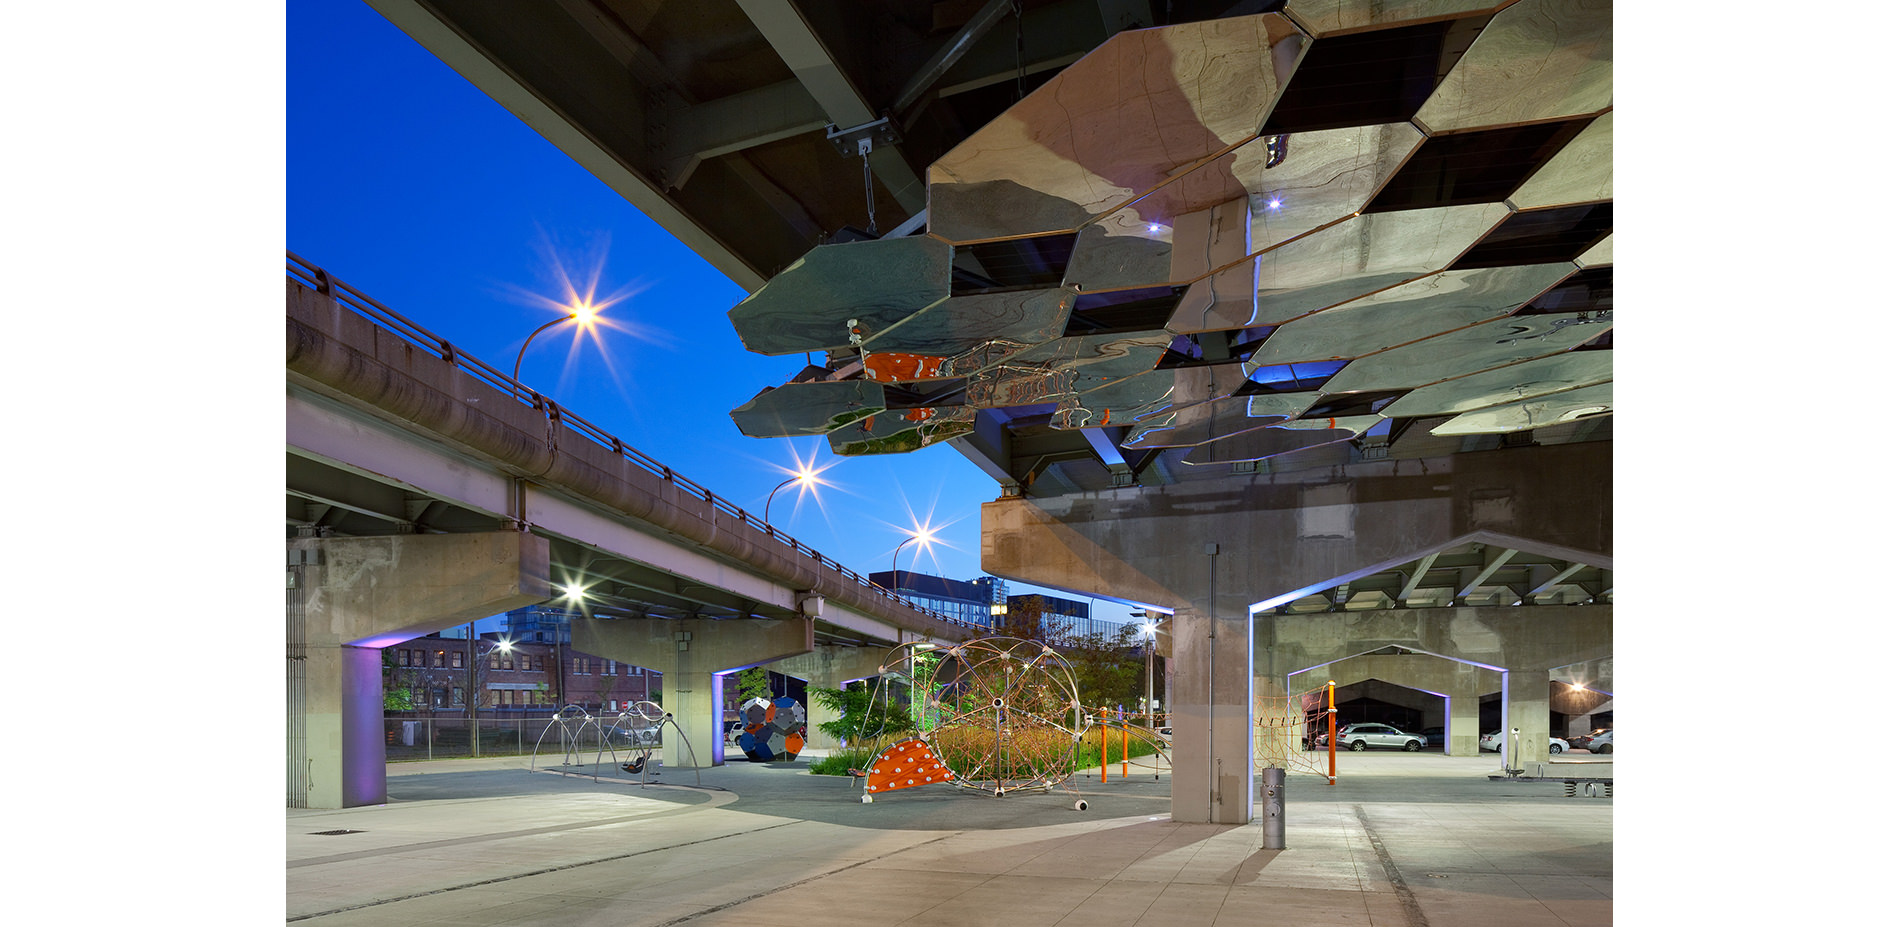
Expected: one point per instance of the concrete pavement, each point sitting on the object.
(1405, 840)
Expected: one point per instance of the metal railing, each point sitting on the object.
(320, 280)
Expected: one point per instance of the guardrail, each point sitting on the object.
(320, 280)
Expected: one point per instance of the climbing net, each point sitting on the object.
(1282, 731)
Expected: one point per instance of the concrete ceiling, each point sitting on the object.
(759, 130)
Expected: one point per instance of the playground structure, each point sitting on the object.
(642, 725)
(774, 728)
(996, 715)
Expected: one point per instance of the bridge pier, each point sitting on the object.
(697, 650)
(350, 597)
(830, 666)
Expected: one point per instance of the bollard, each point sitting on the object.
(1273, 808)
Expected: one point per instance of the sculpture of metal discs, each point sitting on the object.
(995, 714)
(774, 728)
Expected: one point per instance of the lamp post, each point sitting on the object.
(805, 476)
(584, 313)
(468, 693)
(1148, 706)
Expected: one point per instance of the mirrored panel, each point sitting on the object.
(1262, 443)
(1144, 397)
(1365, 255)
(807, 408)
(1113, 126)
(1600, 254)
(1553, 409)
(1469, 350)
(1219, 418)
(1537, 60)
(951, 327)
(837, 295)
(902, 431)
(1322, 18)
(1581, 173)
(1409, 312)
(1528, 380)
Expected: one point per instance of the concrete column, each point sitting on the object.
(1527, 708)
(829, 667)
(693, 652)
(353, 596)
(1211, 711)
(1461, 726)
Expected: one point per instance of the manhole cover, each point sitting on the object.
(334, 833)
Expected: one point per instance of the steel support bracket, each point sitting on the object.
(858, 141)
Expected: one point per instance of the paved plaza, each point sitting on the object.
(1401, 840)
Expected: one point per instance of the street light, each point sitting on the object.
(922, 534)
(806, 476)
(1148, 628)
(585, 313)
(468, 693)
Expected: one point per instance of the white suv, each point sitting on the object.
(1494, 741)
(1363, 735)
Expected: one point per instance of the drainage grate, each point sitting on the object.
(333, 833)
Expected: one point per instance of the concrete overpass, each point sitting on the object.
(426, 490)
(758, 131)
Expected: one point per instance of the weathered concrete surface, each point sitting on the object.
(830, 666)
(1286, 533)
(1531, 646)
(357, 595)
(707, 649)
(1461, 686)
(337, 353)
(1280, 536)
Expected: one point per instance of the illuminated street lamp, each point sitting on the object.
(1148, 629)
(585, 314)
(806, 476)
(468, 693)
(922, 534)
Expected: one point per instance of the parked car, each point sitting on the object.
(1434, 737)
(1365, 734)
(1494, 741)
(1602, 743)
(1582, 741)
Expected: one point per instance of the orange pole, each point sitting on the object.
(1332, 737)
(1124, 752)
(1104, 745)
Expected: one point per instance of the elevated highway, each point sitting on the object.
(425, 489)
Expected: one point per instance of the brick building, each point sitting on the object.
(435, 672)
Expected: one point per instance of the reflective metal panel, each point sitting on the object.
(1365, 255)
(1599, 255)
(1408, 312)
(1143, 397)
(1066, 366)
(1322, 18)
(1210, 421)
(1113, 126)
(952, 326)
(836, 295)
(1467, 351)
(1516, 382)
(1535, 413)
(807, 408)
(1537, 60)
(1262, 443)
(902, 431)
(1581, 173)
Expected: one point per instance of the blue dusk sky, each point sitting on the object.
(408, 183)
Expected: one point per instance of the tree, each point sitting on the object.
(755, 683)
(1028, 618)
(860, 713)
(399, 683)
(1108, 668)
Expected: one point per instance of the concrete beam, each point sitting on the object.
(348, 598)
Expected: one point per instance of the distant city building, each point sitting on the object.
(548, 623)
(1065, 618)
(976, 601)
(436, 672)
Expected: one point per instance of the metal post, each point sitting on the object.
(1273, 808)
(1332, 737)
